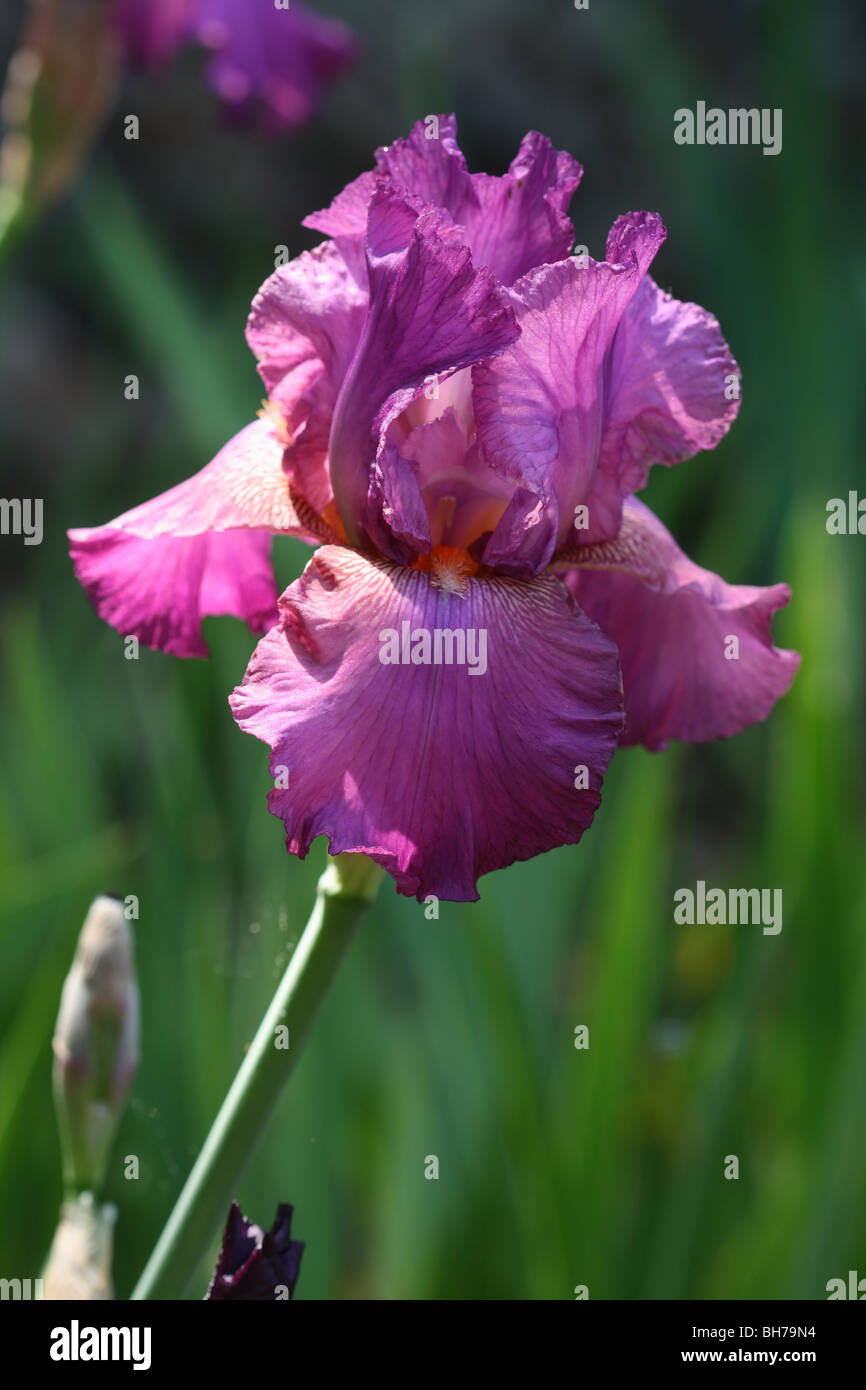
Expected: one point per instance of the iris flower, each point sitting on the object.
(459, 414)
(269, 62)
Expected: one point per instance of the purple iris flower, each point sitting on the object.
(269, 62)
(256, 1265)
(459, 413)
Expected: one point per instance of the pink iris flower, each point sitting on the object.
(459, 413)
(269, 62)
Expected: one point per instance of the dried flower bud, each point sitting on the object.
(79, 1262)
(95, 1043)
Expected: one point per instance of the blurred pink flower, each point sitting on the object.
(267, 62)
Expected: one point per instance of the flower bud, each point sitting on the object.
(254, 1265)
(95, 1044)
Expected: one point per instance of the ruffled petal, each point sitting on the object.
(431, 313)
(440, 775)
(423, 172)
(346, 216)
(199, 550)
(521, 220)
(303, 328)
(429, 165)
(160, 590)
(540, 406)
(673, 387)
(697, 656)
(510, 223)
(274, 64)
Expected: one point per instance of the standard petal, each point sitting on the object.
(346, 221)
(521, 220)
(347, 214)
(431, 313)
(540, 406)
(510, 223)
(697, 656)
(303, 328)
(422, 171)
(437, 773)
(430, 164)
(199, 550)
(673, 387)
(608, 376)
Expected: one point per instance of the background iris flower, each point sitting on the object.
(270, 66)
(270, 62)
(460, 411)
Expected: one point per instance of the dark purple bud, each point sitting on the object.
(255, 1265)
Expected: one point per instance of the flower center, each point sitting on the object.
(450, 567)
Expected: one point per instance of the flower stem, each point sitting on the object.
(12, 221)
(345, 891)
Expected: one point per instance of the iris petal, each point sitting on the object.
(304, 327)
(608, 376)
(698, 660)
(510, 223)
(198, 550)
(431, 312)
(439, 774)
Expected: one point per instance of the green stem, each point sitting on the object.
(345, 891)
(13, 221)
